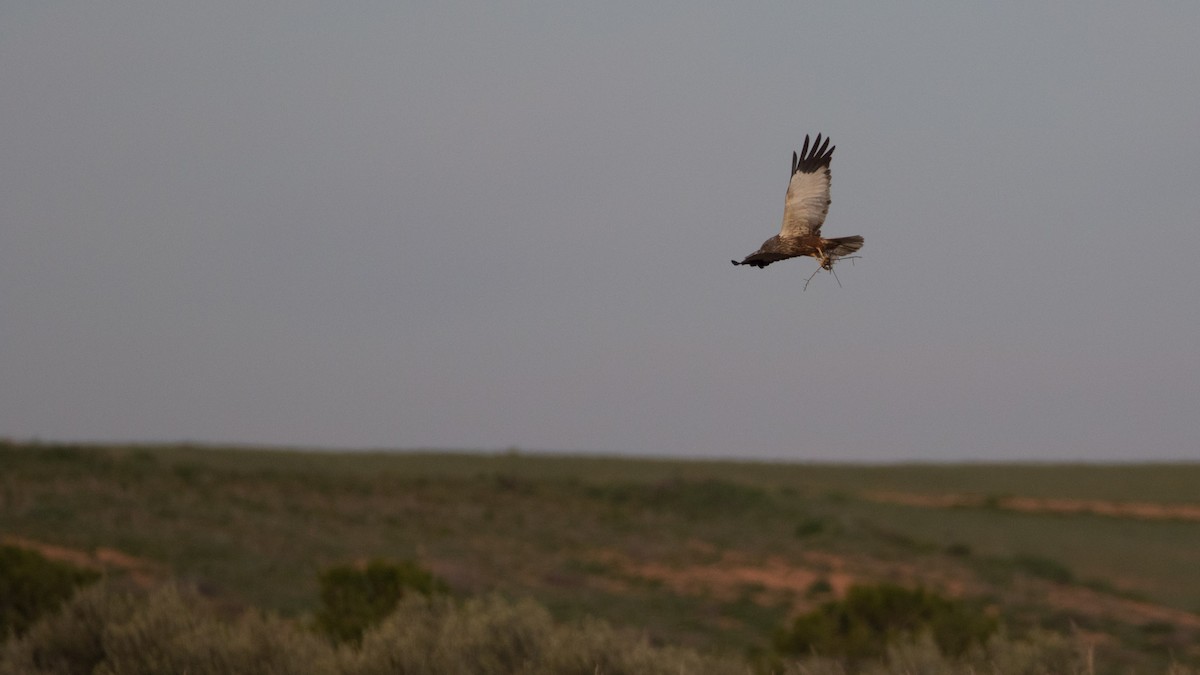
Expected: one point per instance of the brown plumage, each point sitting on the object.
(803, 213)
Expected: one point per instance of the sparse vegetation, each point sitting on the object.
(690, 499)
(1044, 568)
(707, 556)
(812, 526)
(958, 550)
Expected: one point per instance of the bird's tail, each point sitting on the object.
(842, 245)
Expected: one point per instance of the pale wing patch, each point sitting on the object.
(807, 203)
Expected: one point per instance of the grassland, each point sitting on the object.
(706, 554)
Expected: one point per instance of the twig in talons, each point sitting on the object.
(810, 278)
(830, 268)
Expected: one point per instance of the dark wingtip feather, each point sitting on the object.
(814, 155)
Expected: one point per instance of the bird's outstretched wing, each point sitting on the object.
(808, 192)
(761, 259)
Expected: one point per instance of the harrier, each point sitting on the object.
(803, 213)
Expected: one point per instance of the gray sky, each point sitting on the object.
(428, 224)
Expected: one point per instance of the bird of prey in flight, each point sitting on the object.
(803, 213)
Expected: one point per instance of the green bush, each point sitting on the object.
(1044, 568)
(31, 585)
(818, 588)
(353, 599)
(870, 617)
(813, 526)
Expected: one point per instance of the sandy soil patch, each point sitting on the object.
(1088, 602)
(769, 579)
(141, 571)
(766, 580)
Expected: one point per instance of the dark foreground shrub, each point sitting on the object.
(354, 599)
(31, 585)
(862, 624)
(110, 631)
(70, 640)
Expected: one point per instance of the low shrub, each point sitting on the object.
(862, 624)
(1036, 654)
(1044, 568)
(813, 526)
(70, 640)
(354, 599)
(818, 588)
(174, 631)
(31, 585)
(494, 635)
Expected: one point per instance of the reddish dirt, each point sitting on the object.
(141, 571)
(1091, 603)
(1140, 510)
(766, 579)
(730, 575)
